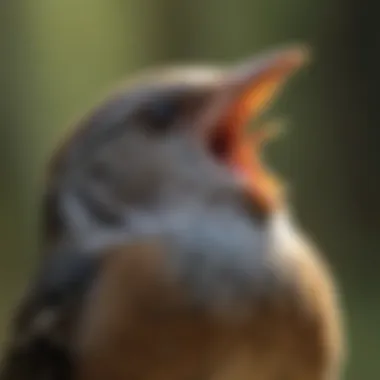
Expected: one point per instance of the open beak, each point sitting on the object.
(243, 93)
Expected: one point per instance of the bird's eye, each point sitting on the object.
(160, 115)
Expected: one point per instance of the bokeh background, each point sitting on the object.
(58, 57)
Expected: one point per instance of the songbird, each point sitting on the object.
(169, 249)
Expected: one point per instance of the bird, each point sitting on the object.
(168, 247)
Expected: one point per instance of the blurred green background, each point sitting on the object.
(58, 57)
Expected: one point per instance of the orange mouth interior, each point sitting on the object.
(248, 92)
(241, 151)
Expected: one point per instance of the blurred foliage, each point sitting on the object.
(58, 57)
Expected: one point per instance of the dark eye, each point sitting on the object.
(161, 115)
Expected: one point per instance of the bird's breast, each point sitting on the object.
(209, 294)
(221, 258)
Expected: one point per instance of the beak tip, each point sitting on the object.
(279, 63)
(295, 56)
(283, 62)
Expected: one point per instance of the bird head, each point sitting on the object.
(171, 133)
